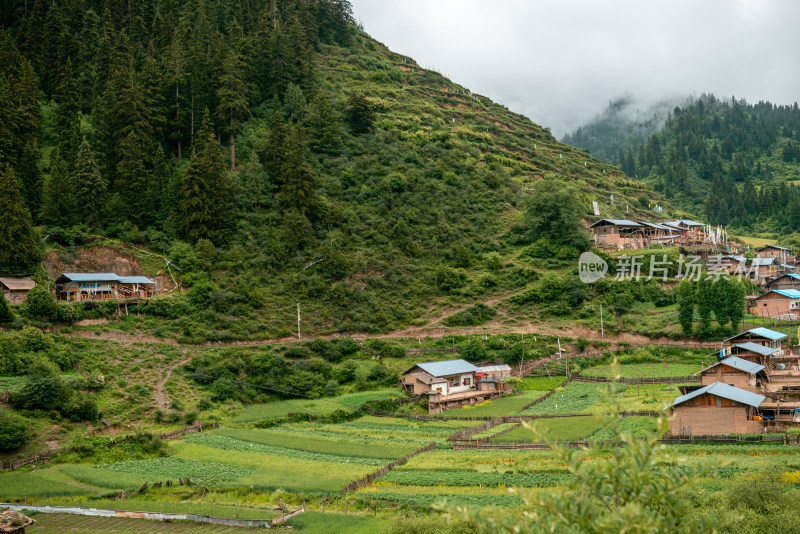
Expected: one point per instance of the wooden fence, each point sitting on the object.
(427, 350)
(45, 456)
(360, 483)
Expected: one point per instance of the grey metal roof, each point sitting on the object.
(726, 392)
(493, 368)
(90, 277)
(136, 280)
(772, 246)
(755, 347)
(616, 222)
(447, 368)
(687, 222)
(762, 261)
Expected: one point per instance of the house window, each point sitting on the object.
(467, 381)
(718, 401)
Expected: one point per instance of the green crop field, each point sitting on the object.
(42, 482)
(205, 472)
(256, 412)
(509, 405)
(646, 370)
(561, 429)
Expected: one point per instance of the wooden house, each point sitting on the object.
(733, 264)
(714, 409)
(777, 303)
(16, 289)
(618, 233)
(136, 286)
(733, 371)
(493, 372)
(687, 228)
(759, 336)
(785, 281)
(100, 286)
(450, 384)
(657, 233)
(782, 254)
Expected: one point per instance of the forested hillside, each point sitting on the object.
(276, 153)
(735, 162)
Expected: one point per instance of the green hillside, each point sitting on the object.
(368, 189)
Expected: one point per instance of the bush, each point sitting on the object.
(80, 408)
(449, 279)
(43, 388)
(475, 315)
(41, 305)
(70, 313)
(13, 430)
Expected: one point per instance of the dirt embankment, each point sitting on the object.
(99, 259)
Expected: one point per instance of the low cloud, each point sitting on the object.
(560, 63)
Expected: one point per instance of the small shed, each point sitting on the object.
(493, 372)
(81, 286)
(12, 522)
(15, 289)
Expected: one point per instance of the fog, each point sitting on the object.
(561, 62)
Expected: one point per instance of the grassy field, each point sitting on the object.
(509, 405)
(562, 429)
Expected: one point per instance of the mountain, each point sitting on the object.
(276, 154)
(735, 163)
(624, 125)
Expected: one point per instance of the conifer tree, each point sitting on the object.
(91, 188)
(59, 202)
(360, 113)
(299, 189)
(19, 245)
(205, 196)
(232, 94)
(324, 126)
(272, 150)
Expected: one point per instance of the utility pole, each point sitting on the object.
(298, 320)
(602, 333)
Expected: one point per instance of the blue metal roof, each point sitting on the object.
(726, 392)
(742, 365)
(91, 277)
(761, 332)
(447, 368)
(791, 293)
(755, 347)
(136, 280)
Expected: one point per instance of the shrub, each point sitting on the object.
(70, 313)
(41, 305)
(475, 315)
(43, 388)
(13, 430)
(449, 279)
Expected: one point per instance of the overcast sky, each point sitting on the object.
(560, 62)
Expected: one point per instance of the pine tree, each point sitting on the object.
(324, 126)
(5, 311)
(205, 202)
(685, 298)
(299, 189)
(360, 113)
(232, 94)
(272, 150)
(60, 199)
(704, 298)
(19, 245)
(91, 188)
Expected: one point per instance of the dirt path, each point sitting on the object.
(160, 397)
(428, 331)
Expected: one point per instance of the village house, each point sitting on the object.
(15, 289)
(733, 371)
(715, 409)
(785, 281)
(753, 388)
(452, 384)
(619, 233)
(759, 336)
(776, 303)
(100, 286)
(782, 254)
(658, 233)
(686, 228)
